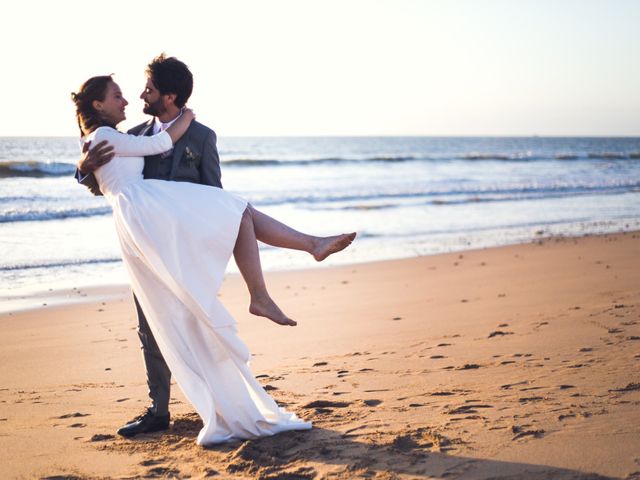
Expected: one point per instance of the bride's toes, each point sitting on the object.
(329, 245)
(267, 308)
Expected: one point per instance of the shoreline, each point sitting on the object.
(518, 361)
(28, 298)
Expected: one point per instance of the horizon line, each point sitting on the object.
(383, 135)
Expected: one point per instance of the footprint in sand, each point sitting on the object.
(421, 438)
(500, 333)
(100, 437)
(520, 432)
(530, 399)
(372, 402)
(577, 365)
(469, 366)
(77, 425)
(509, 385)
(436, 357)
(565, 416)
(153, 461)
(465, 409)
(629, 388)
(165, 472)
(74, 415)
(326, 404)
(320, 364)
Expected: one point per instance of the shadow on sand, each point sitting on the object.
(325, 453)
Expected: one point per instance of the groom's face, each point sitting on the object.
(153, 101)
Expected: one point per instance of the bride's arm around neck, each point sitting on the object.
(126, 145)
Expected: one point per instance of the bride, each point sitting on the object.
(176, 239)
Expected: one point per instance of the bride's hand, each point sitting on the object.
(178, 128)
(188, 113)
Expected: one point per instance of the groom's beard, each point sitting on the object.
(155, 109)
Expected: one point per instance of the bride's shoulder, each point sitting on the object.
(104, 133)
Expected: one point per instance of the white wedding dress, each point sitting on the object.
(176, 240)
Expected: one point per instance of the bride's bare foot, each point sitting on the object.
(265, 307)
(328, 245)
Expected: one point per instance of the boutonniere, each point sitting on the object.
(189, 154)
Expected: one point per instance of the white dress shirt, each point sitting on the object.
(158, 126)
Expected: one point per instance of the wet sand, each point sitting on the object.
(515, 362)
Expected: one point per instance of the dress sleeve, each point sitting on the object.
(126, 145)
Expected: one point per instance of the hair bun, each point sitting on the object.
(75, 97)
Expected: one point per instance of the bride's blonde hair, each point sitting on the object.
(88, 117)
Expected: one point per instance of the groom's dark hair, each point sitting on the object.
(170, 75)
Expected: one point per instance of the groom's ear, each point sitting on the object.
(170, 98)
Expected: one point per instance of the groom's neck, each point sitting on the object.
(170, 114)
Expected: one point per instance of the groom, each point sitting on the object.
(194, 158)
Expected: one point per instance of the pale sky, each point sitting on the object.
(337, 67)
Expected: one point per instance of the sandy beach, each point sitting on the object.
(518, 362)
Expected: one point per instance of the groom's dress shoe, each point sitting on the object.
(146, 423)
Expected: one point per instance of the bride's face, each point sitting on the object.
(114, 104)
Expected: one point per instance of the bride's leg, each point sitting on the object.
(248, 260)
(275, 233)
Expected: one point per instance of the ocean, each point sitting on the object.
(405, 196)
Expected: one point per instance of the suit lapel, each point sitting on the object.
(178, 151)
(148, 129)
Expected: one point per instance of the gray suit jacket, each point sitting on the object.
(194, 159)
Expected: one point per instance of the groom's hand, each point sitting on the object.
(94, 158)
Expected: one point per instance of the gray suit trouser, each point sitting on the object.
(158, 373)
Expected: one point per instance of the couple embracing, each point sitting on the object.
(177, 230)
